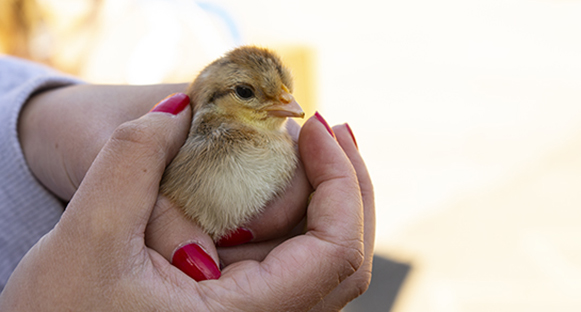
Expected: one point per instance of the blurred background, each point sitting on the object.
(467, 112)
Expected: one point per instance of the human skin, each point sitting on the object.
(87, 116)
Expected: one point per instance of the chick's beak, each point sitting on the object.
(286, 106)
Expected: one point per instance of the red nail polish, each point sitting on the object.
(173, 104)
(351, 133)
(238, 237)
(322, 120)
(196, 263)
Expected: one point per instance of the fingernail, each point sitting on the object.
(351, 133)
(238, 237)
(173, 104)
(322, 120)
(196, 263)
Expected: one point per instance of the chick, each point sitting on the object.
(238, 154)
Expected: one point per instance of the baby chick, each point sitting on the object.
(238, 154)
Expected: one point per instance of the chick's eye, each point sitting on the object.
(244, 92)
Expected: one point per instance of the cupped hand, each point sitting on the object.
(62, 131)
(97, 258)
(357, 283)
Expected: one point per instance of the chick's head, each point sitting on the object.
(249, 84)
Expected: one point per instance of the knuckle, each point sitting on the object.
(356, 258)
(361, 281)
(131, 132)
(357, 284)
(140, 136)
(352, 256)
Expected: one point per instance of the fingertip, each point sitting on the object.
(352, 135)
(315, 128)
(175, 236)
(346, 138)
(237, 237)
(320, 151)
(316, 123)
(195, 262)
(347, 142)
(173, 104)
(322, 120)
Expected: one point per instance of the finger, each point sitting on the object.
(356, 284)
(336, 185)
(312, 265)
(181, 241)
(251, 251)
(347, 141)
(120, 189)
(256, 251)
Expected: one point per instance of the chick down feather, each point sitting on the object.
(238, 155)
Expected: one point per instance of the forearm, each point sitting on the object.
(62, 130)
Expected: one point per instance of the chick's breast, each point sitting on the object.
(224, 176)
(238, 155)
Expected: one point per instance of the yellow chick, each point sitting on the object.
(238, 154)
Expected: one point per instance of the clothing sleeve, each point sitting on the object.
(27, 209)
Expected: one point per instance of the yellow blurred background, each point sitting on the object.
(467, 112)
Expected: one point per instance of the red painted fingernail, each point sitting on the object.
(196, 263)
(351, 133)
(238, 237)
(322, 120)
(173, 104)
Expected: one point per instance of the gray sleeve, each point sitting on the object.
(27, 209)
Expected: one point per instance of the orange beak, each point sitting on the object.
(286, 106)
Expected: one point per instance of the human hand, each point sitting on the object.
(96, 257)
(357, 283)
(62, 131)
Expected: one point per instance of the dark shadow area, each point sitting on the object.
(386, 281)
